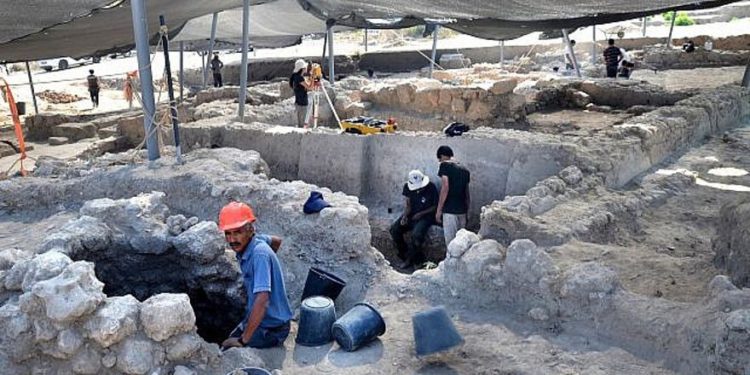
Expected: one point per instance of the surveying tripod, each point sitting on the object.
(317, 87)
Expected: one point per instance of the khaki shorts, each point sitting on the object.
(451, 225)
(301, 111)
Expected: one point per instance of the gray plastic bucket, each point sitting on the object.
(362, 324)
(316, 317)
(434, 331)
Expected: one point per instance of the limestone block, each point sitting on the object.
(458, 106)
(454, 61)
(14, 276)
(182, 370)
(115, 320)
(138, 356)
(235, 358)
(482, 255)
(72, 294)
(571, 175)
(86, 362)
(44, 266)
(464, 240)
(479, 110)
(589, 281)
(578, 99)
(732, 347)
(137, 222)
(504, 86)
(16, 340)
(106, 132)
(445, 99)
(539, 314)
(68, 343)
(165, 315)
(9, 257)
(174, 223)
(527, 262)
(57, 141)
(132, 128)
(183, 347)
(405, 93)
(721, 283)
(83, 235)
(426, 100)
(202, 242)
(538, 206)
(555, 184)
(44, 330)
(75, 131)
(442, 75)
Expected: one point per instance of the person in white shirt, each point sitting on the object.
(626, 64)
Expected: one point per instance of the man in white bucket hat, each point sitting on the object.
(300, 87)
(421, 198)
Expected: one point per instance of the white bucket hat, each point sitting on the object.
(417, 180)
(299, 64)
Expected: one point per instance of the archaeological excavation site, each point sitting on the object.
(479, 209)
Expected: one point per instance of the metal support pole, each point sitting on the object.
(572, 53)
(140, 31)
(243, 66)
(593, 45)
(33, 94)
(182, 70)
(669, 38)
(365, 40)
(643, 27)
(502, 53)
(746, 77)
(434, 48)
(170, 91)
(331, 56)
(210, 48)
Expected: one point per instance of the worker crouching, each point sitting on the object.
(267, 313)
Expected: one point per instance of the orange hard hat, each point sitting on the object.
(234, 215)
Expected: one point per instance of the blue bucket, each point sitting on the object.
(316, 317)
(249, 371)
(322, 283)
(434, 331)
(362, 324)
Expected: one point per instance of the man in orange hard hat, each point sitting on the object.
(267, 313)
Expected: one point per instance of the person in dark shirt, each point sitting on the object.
(216, 66)
(688, 46)
(93, 83)
(419, 214)
(612, 57)
(300, 87)
(454, 200)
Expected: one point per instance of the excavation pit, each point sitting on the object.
(125, 271)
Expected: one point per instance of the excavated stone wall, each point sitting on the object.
(375, 167)
(678, 59)
(145, 246)
(706, 337)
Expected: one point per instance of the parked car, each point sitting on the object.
(63, 63)
(120, 54)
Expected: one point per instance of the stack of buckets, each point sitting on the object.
(317, 321)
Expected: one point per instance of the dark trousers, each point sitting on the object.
(217, 80)
(611, 71)
(94, 93)
(411, 252)
(264, 337)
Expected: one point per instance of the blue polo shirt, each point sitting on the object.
(261, 272)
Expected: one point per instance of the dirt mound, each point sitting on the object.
(57, 97)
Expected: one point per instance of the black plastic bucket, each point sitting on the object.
(21, 106)
(322, 283)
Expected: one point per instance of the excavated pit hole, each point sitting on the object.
(123, 272)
